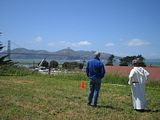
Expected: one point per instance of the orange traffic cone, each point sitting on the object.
(82, 85)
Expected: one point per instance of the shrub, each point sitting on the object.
(53, 64)
(72, 65)
(7, 70)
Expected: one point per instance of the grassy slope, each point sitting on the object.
(60, 97)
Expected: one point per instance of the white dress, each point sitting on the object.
(137, 80)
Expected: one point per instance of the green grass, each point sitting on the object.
(115, 79)
(7, 70)
(59, 97)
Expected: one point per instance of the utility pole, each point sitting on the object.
(9, 49)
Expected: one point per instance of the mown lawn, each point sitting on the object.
(43, 97)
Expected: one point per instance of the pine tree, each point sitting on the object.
(3, 60)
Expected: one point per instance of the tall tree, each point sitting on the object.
(3, 60)
(110, 60)
(127, 61)
(53, 64)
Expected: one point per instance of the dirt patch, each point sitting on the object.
(125, 70)
(22, 81)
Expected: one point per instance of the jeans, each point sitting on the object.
(94, 88)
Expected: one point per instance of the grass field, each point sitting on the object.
(43, 97)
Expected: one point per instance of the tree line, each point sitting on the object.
(65, 65)
(127, 61)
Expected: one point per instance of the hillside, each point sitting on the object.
(63, 54)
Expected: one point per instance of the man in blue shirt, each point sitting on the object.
(95, 71)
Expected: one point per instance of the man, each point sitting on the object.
(137, 80)
(95, 71)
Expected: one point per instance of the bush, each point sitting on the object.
(53, 64)
(72, 65)
(7, 70)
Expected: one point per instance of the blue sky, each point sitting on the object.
(119, 27)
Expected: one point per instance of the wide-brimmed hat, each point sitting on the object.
(97, 54)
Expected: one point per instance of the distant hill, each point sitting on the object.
(64, 54)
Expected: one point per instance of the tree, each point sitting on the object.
(80, 65)
(127, 61)
(53, 64)
(123, 62)
(66, 65)
(44, 63)
(3, 60)
(72, 65)
(141, 61)
(110, 60)
(1, 46)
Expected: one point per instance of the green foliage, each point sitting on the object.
(153, 84)
(80, 65)
(7, 70)
(140, 61)
(115, 79)
(110, 60)
(44, 63)
(53, 64)
(72, 65)
(1, 46)
(127, 61)
(3, 60)
(123, 63)
(65, 65)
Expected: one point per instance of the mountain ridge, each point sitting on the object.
(63, 54)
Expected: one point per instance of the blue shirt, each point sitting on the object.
(95, 69)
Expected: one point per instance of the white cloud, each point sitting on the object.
(137, 42)
(109, 44)
(70, 44)
(83, 43)
(38, 39)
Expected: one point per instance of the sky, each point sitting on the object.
(119, 27)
